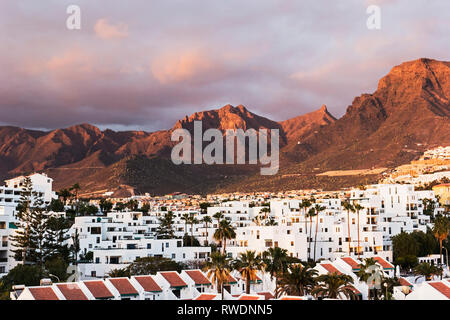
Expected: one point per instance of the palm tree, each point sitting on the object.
(441, 230)
(76, 188)
(318, 209)
(358, 207)
(224, 232)
(65, 194)
(364, 274)
(276, 262)
(311, 213)
(332, 285)
(185, 218)
(248, 264)
(192, 221)
(305, 205)
(206, 220)
(349, 207)
(218, 268)
(427, 270)
(218, 216)
(298, 281)
(271, 222)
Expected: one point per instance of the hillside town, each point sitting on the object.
(385, 241)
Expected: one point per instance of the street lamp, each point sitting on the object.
(52, 275)
(386, 286)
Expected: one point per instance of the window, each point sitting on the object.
(173, 255)
(93, 274)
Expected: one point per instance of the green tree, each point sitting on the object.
(56, 237)
(224, 232)
(441, 230)
(145, 208)
(358, 208)
(165, 228)
(151, 265)
(57, 266)
(64, 194)
(299, 280)
(427, 270)
(119, 273)
(218, 270)
(248, 264)
(206, 220)
(333, 285)
(105, 206)
(348, 207)
(56, 205)
(276, 262)
(318, 208)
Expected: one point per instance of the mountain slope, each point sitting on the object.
(407, 114)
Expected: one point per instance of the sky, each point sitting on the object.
(142, 65)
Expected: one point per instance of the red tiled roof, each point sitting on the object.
(71, 291)
(404, 282)
(356, 291)
(249, 298)
(124, 286)
(383, 263)
(197, 276)
(351, 262)
(291, 298)
(230, 279)
(205, 296)
(174, 279)
(98, 289)
(267, 295)
(43, 293)
(442, 288)
(148, 283)
(330, 268)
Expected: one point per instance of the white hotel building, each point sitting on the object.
(9, 198)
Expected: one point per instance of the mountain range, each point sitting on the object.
(407, 114)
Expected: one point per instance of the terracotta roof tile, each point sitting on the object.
(43, 293)
(330, 268)
(355, 291)
(249, 298)
(404, 282)
(148, 283)
(291, 298)
(205, 296)
(230, 279)
(267, 295)
(442, 288)
(383, 263)
(71, 291)
(174, 279)
(98, 289)
(124, 286)
(197, 276)
(351, 262)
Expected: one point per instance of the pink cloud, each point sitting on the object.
(182, 66)
(106, 30)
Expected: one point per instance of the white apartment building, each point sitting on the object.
(121, 237)
(9, 198)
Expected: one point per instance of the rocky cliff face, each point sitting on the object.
(408, 113)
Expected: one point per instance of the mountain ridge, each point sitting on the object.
(408, 112)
